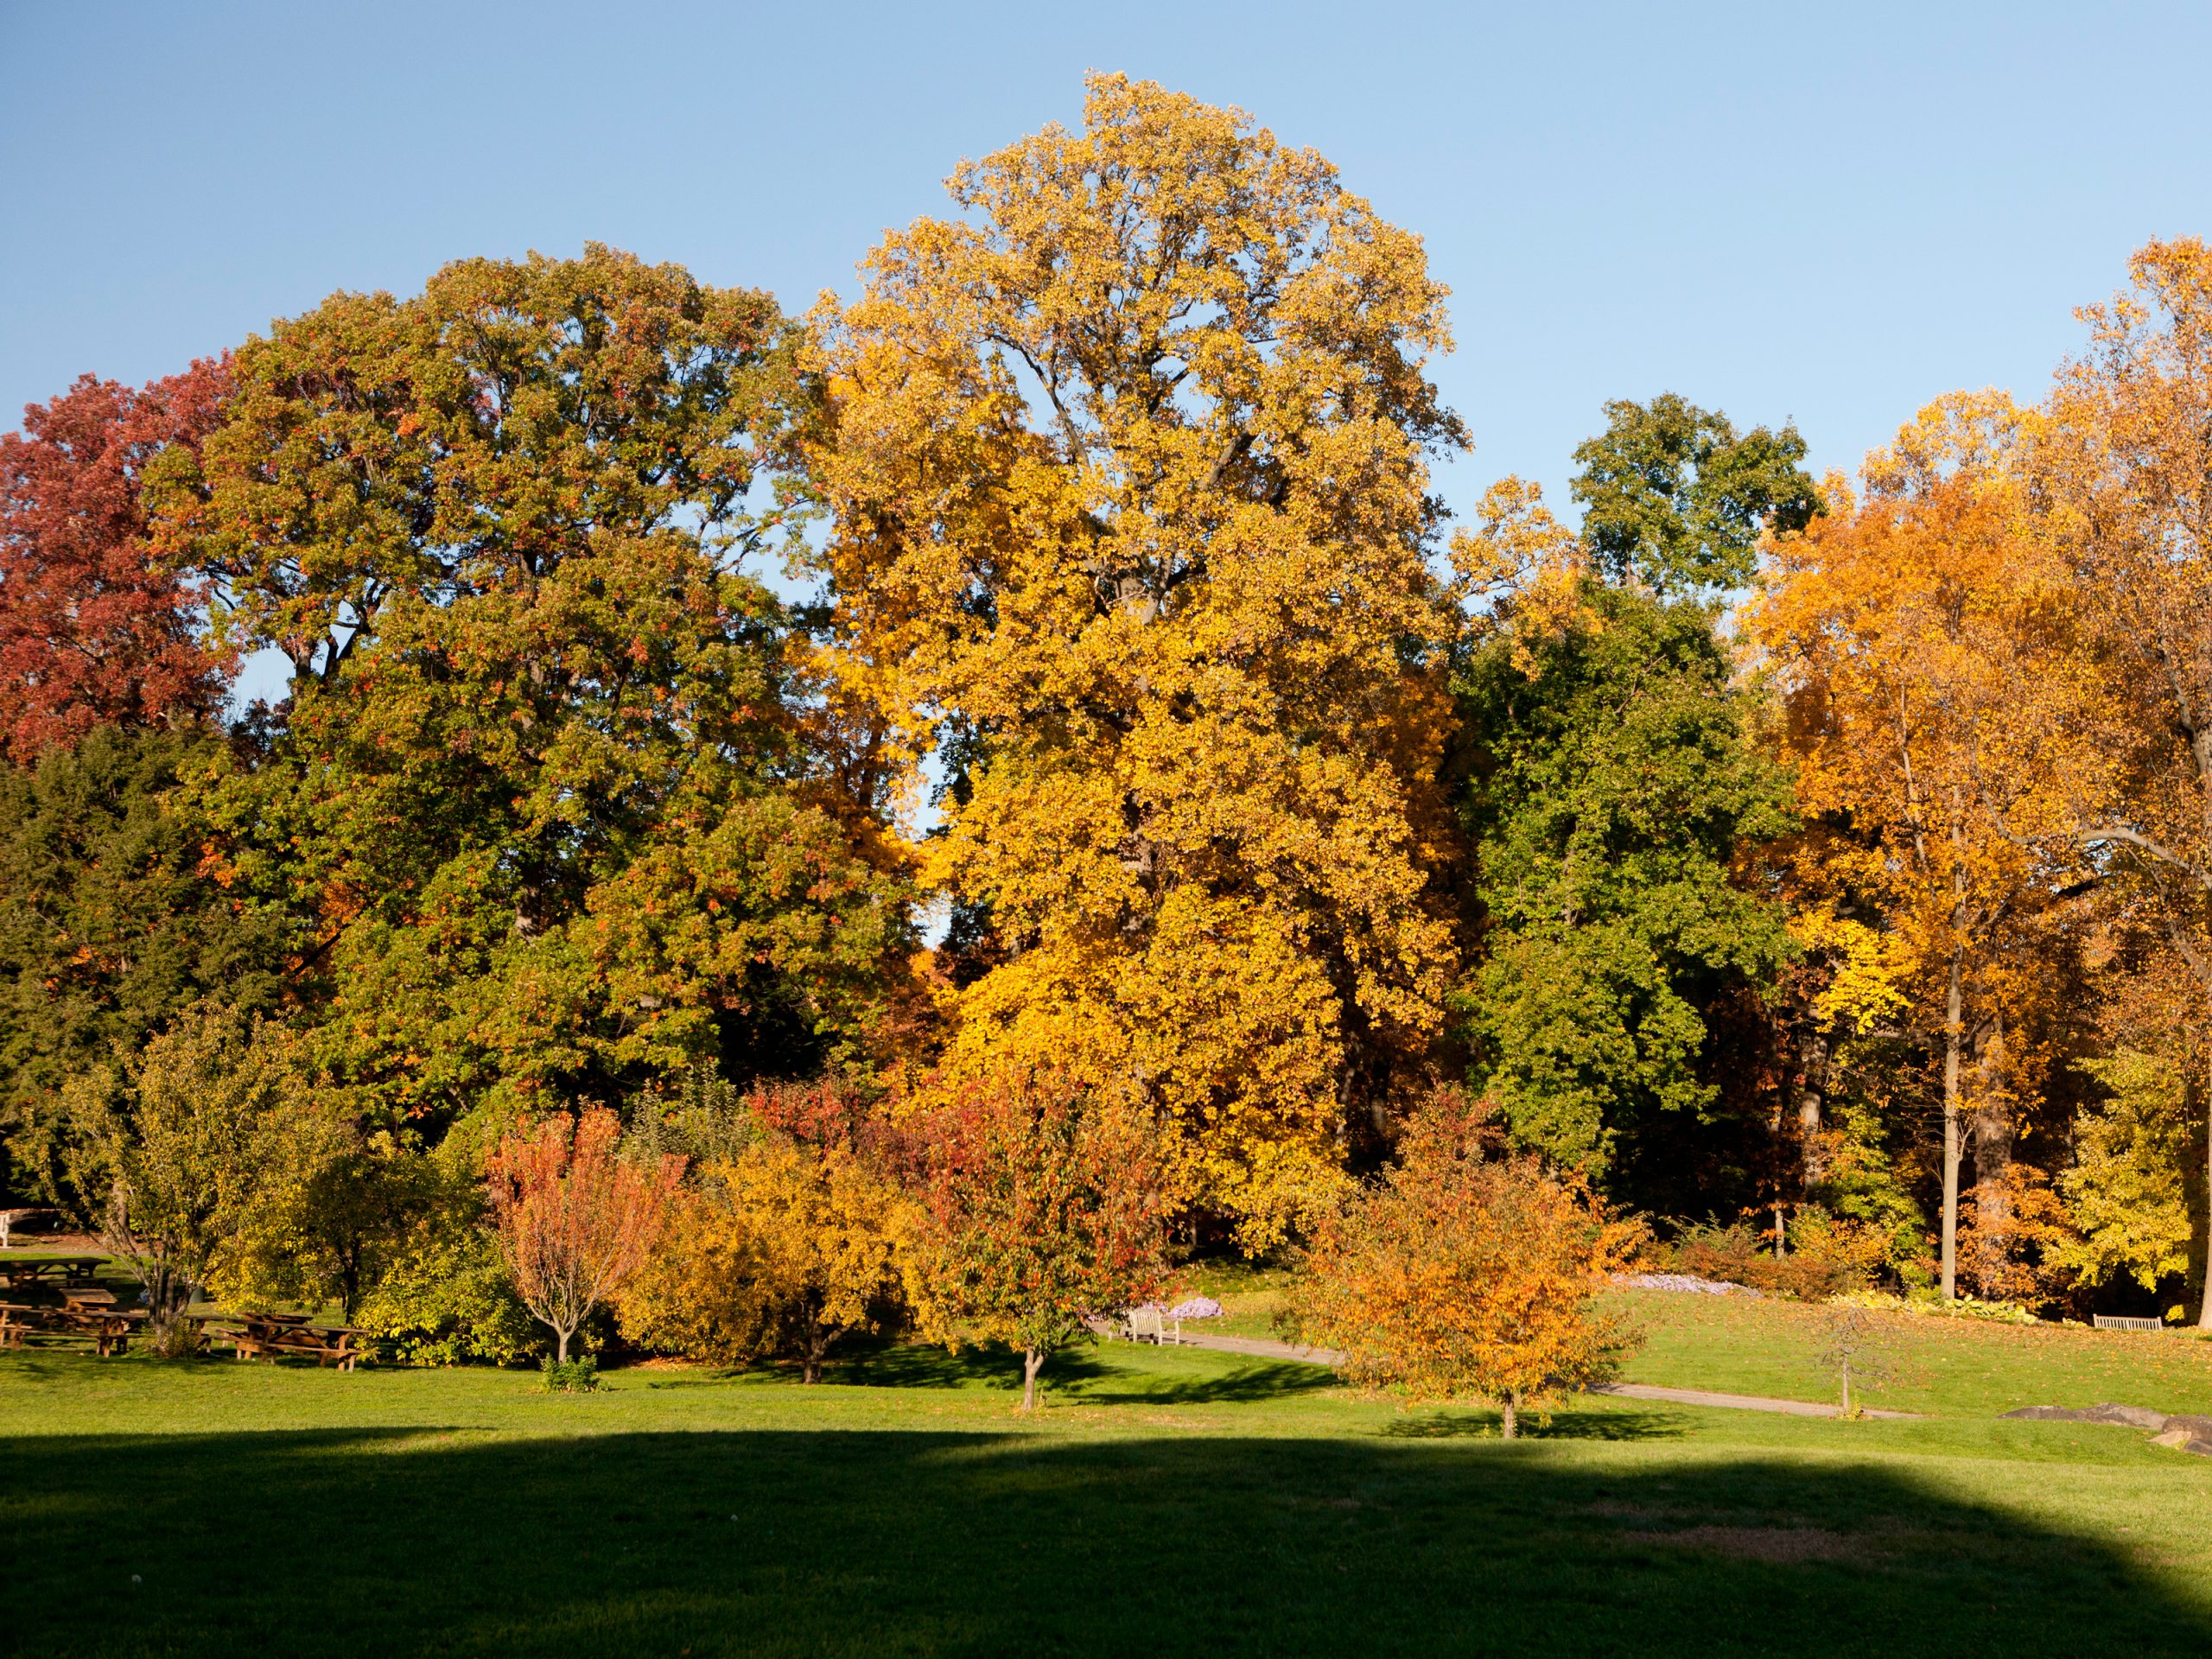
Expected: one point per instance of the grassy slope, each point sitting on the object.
(1744, 1345)
(1168, 1502)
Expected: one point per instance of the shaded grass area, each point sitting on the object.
(1168, 1502)
(1741, 1345)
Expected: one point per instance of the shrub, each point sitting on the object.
(778, 1252)
(1737, 1254)
(570, 1376)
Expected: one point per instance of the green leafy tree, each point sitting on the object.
(1611, 779)
(187, 1144)
(114, 917)
(1676, 497)
(545, 804)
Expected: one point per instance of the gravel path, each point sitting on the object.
(1261, 1348)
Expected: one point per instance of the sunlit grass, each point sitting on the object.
(1166, 1501)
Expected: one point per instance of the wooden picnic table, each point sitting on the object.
(274, 1335)
(19, 1319)
(70, 1269)
(90, 1314)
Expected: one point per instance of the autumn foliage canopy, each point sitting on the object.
(1137, 810)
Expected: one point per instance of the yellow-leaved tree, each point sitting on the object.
(1127, 468)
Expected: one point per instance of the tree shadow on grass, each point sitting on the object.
(1246, 1383)
(1108, 1375)
(775, 1543)
(1562, 1425)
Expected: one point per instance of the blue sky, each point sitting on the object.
(1824, 213)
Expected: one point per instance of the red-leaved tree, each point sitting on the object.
(574, 1218)
(1044, 1206)
(93, 631)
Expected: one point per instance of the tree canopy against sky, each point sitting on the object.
(92, 632)
(1676, 496)
(540, 809)
(1128, 474)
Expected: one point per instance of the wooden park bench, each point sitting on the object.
(2127, 1322)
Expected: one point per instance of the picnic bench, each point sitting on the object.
(274, 1336)
(17, 1321)
(68, 1269)
(95, 1312)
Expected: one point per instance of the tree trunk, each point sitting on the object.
(1952, 1022)
(1847, 1389)
(1510, 1414)
(1813, 1071)
(1992, 1165)
(819, 1339)
(2204, 1312)
(560, 1346)
(1032, 1360)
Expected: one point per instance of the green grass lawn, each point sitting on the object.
(1168, 1501)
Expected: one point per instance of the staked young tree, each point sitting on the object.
(1127, 471)
(94, 630)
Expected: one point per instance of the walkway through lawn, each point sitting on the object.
(1260, 1346)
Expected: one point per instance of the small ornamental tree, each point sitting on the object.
(1045, 1206)
(783, 1247)
(574, 1219)
(1465, 1272)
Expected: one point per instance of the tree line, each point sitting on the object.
(1820, 868)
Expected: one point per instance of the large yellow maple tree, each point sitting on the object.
(1128, 474)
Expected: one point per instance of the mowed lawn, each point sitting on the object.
(1168, 1501)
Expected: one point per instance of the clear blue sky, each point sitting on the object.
(1829, 213)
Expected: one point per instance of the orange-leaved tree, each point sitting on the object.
(784, 1248)
(2123, 462)
(1128, 468)
(574, 1218)
(1044, 1206)
(1463, 1273)
(1901, 625)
